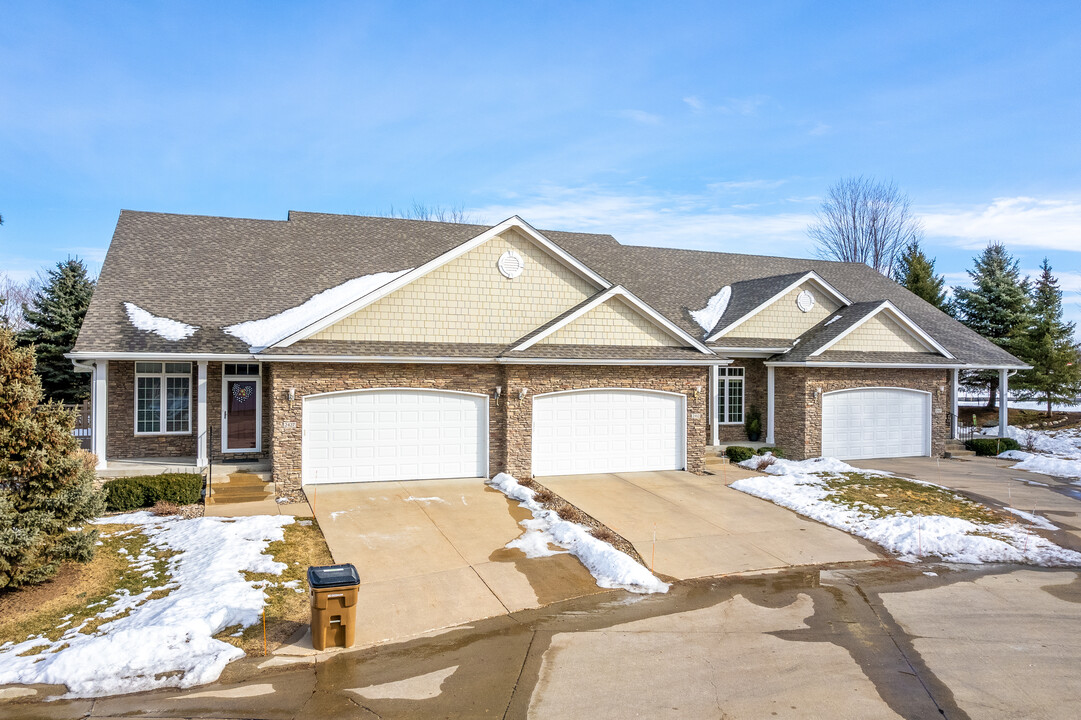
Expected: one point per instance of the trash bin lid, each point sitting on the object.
(327, 576)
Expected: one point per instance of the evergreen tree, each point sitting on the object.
(1055, 358)
(997, 307)
(46, 481)
(917, 273)
(55, 315)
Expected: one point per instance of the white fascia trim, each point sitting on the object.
(512, 222)
(704, 362)
(179, 357)
(903, 320)
(812, 275)
(910, 366)
(417, 359)
(750, 351)
(618, 290)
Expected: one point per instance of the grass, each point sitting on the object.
(80, 591)
(862, 491)
(286, 610)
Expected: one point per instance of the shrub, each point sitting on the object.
(775, 451)
(752, 424)
(738, 453)
(764, 462)
(992, 446)
(132, 493)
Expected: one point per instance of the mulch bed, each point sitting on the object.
(550, 501)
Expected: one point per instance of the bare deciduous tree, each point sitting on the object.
(434, 213)
(863, 220)
(13, 294)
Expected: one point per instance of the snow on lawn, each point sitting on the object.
(1053, 452)
(266, 332)
(160, 326)
(804, 486)
(611, 568)
(708, 317)
(149, 643)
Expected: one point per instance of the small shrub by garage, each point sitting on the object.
(992, 446)
(738, 453)
(132, 493)
(775, 451)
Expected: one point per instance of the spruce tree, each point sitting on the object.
(55, 315)
(47, 493)
(1055, 358)
(917, 273)
(997, 307)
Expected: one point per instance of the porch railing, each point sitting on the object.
(966, 428)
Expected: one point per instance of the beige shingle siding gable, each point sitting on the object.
(879, 334)
(468, 300)
(613, 322)
(782, 319)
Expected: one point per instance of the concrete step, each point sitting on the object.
(959, 453)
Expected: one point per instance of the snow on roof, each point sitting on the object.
(832, 320)
(264, 333)
(163, 327)
(708, 317)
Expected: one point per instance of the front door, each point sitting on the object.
(240, 403)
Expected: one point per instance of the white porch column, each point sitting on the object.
(713, 419)
(769, 404)
(1003, 403)
(99, 410)
(200, 442)
(955, 380)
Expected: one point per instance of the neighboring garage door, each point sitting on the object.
(599, 431)
(876, 423)
(394, 434)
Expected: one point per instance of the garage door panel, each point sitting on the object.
(402, 434)
(883, 422)
(613, 430)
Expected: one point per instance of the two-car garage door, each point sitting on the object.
(876, 423)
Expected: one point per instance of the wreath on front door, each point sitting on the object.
(241, 393)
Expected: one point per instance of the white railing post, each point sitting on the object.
(99, 411)
(201, 450)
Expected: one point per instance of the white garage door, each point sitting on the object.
(400, 434)
(598, 431)
(875, 423)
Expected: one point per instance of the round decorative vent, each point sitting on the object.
(805, 301)
(511, 264)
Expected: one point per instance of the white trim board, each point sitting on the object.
(811, 275)
(631, 299)
(901, 319)
(512, 222)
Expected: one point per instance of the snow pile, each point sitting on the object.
(1033, 519)
(167, 641)
(710, 315)
(162, 327)
(802, 486)
(1055, 452)
(266, 332)
(611, 568)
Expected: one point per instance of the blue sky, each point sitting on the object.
(714, 125)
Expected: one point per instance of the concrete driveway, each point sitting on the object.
(702, 527)
(991, 481)
(431, 554)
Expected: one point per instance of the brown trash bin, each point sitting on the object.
(333, 591)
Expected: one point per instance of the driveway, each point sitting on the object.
(430, 554)
(991, 480)
(703, 527)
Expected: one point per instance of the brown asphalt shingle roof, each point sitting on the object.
(212, 272)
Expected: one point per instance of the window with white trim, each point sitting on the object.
(730, 395)
(162, 398)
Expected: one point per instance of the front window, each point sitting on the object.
(162, 398)
(730, 394)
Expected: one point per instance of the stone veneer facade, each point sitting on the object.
(122, 442)
(798, 430)
(510, 420)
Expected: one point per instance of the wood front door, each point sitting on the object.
(241, 414)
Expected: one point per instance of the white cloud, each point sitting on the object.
(641, 116)
(695, 102)
(695, 221)
(1025, 221)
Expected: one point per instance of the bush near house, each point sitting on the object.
(992, 446)
(132, 493)
(775, 451)
(738, 453)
